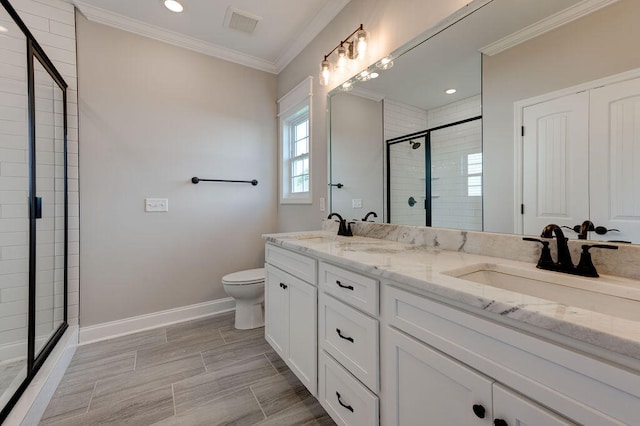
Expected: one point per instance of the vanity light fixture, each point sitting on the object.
(366, 75)
(450, 91)
(352, 47)
(173, 5)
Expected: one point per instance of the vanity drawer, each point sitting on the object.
(295, 264)
(351, 337)
(352, 288)
(346, 400)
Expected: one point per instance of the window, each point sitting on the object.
(295, 142)
(474, 175)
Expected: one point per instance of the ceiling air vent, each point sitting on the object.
(240, 20)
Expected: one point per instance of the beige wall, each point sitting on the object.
(356, 126)
(152, 116)
(593, 47)
(390, 24)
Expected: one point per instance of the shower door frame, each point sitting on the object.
(426, 134)
(35, 361)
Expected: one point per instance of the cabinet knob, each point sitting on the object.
(500, 422)
(283, 286)
(479, 411)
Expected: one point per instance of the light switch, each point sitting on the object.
(156, 204)
(322, 204)
(356, 203)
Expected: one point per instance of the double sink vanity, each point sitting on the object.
(410, 326)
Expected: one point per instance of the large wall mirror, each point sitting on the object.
(543, 126)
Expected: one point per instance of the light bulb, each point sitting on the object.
(173, 5)
(385, 63)
(325, 73)
(347, 86)
(374, 75)
(341, 63)
(361, 42)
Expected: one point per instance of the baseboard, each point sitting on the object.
(125, 326)
(35, 399)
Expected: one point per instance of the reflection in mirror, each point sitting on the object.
(520, 54)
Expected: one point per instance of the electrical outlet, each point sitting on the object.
(156, 204)
(356, 203)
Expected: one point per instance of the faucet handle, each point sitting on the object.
(586, 267)
(545, 261)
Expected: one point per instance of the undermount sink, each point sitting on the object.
(609, 295)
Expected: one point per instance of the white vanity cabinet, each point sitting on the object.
(348, 338)
(438, 362)
(291, 312)
(429, 387)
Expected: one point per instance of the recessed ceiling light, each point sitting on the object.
(173, 5)
(450, 91)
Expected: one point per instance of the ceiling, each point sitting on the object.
(284, 30)
(452, 58)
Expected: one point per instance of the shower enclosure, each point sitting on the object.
(33, 207)
(434, 177)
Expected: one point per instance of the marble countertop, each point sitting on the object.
(426, 270)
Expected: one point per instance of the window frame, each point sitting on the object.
(294, 107)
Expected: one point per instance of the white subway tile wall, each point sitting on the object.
(52, 22)
(451, 204)
(452, 207)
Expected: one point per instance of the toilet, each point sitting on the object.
(247, 289)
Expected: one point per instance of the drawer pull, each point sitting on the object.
(348, 407)
(283, 286)
(344, 337)
(348, 287)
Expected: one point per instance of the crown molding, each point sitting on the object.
(121, 22)
(321, 19)
(550, 23)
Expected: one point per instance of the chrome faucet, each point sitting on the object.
(345, 228)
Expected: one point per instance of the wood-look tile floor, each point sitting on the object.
(202, 372)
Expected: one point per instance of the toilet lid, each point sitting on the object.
(250, 276)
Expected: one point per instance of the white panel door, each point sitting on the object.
(516, 410)
(556, 163)
(426, 387)
(615, 160)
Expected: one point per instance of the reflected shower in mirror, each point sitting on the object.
(506, 56)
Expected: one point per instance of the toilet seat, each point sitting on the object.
(251, 276)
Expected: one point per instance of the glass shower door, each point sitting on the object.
(14, 208)
(50, 205)
(456, 176)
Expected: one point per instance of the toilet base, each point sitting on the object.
(249, 315)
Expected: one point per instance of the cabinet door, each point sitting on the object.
(303, 326)
(516, 410)
(423, 386)
(276, 311)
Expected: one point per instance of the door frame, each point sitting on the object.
(518, 137)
